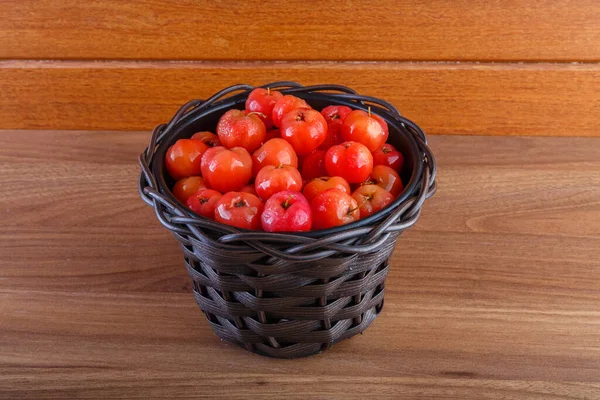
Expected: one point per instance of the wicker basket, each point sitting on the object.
(284, 295)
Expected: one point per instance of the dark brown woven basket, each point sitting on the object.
(288, 295)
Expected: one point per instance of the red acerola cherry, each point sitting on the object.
(287, 211)
(304, 129)
(185, 187)
(366, 128)
(262, 101)
(334, 134)
(335, 113)
(388, 155)
(226, 170)
(284, 105)
(388, 179)
(313, 165)
(238, 209)
(350, 160)
(183, 158)
(238, 129)
(319, 185)
(208, 138)
(371, 199)
(274, 152)
(204, 202)
(272, 179)
(332, 208)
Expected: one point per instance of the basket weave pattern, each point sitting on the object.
(285, 295)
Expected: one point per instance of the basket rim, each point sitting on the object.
(410, 188)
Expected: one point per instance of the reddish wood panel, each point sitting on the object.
(493, 294)
(555, 30)
(494, 99)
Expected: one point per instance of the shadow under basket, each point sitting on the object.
(288, 295)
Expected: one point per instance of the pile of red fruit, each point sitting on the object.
(281, 166)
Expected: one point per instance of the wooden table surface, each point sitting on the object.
(494, 294)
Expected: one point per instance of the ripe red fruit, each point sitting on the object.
(272, 134)
(238, 129)
(304, 129)
(284, 105)
(366, 128)
(249, 188)
(335, 113)
(350, 160)
(274, 152)
(334, 134)
(313, 165)
(183, 158)
(272, 179)
(185, 187)
(332, 208)
(319, 185)
(371, 198)
(388, 179)
(388, 155)
(226, 170)
(238, 209)
(203, 202)
(287, 211)
(262, 101)
(208, 138)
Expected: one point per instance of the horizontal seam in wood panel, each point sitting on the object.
(133, 64)
(309, 61)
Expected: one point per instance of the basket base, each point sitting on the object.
(298, 350)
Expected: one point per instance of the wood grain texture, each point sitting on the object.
(514, 30)
(494, 294)
(494, 99)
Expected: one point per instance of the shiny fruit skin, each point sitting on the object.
(272, 179)
(388, 155)
(226, 170)
(287, 211)
(184, 157)
(272, 134)
(274, 152)
(238, 209)
(333, 207)
(368, 129)
(334, 135)
(204, 202)
(249, 188)
(319, 185)
(388, 179)
(335, 113)
(284, 105)
(262, 101)
(208, 138)
(185, 187)
(371, 199)
(350, 160)
(313, 165)
(238, 129)
(304, 129)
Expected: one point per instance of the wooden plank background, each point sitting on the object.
(493, 294)
(501, 67)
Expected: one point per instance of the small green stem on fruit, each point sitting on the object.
(240, 203)
(203, 200)
(286, 204)
(256, 113)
